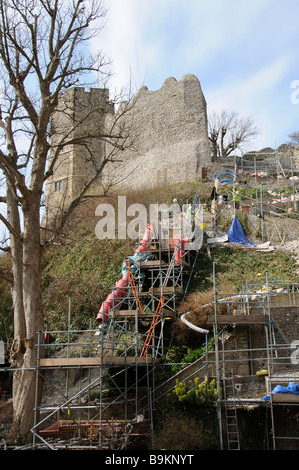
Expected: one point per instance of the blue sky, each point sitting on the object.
(245, 54)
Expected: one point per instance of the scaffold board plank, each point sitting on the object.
(132, 313)
(152, 263)
(126, 313)
(93, 361)
(165, 290)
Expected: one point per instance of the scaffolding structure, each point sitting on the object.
(117, 362)
(274, 163)
(270, 207)
(246, 373)
(115, 365)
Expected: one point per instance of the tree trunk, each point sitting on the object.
(24, 383)
(16, 251)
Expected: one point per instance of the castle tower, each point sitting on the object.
(77, 148)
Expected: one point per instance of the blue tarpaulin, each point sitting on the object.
(235, 233)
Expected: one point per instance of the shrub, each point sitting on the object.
(179, 356)
(194, 394)
(178, 431)
(187, 419)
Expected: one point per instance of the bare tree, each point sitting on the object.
(294, 138)
(43, 52)
(229, 132)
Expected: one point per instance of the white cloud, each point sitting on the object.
(257, 96)
(245, 93)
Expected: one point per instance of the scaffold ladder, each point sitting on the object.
(231, 419)
(133, 285)
(152, 327)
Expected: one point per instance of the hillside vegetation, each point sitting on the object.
(84, 269)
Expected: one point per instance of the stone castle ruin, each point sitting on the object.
(165, 140)
(171, 137)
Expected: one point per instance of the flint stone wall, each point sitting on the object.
(170, 136)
